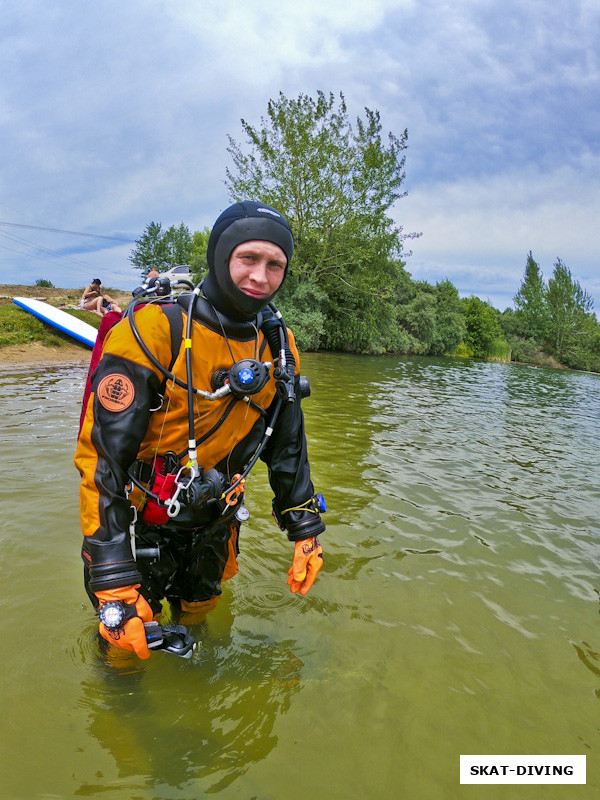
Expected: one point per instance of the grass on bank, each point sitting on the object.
(498, 350)
(19, 327)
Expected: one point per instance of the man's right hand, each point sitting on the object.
(130, 636)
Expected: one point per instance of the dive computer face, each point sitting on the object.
(111, 615)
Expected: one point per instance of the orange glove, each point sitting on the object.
(308, 560)
(131, 635)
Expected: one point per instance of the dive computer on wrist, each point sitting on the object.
(112, 615)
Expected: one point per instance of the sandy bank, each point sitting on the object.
(36, 354)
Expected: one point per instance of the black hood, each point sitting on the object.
(243, 222)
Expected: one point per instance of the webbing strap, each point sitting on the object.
(175, 316)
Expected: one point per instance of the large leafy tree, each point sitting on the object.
(336, 182)
(450, 326)
(161, 250)
(483, 326)
(148, 252)
(178, 245)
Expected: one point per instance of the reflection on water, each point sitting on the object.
(457, 611)
(213, 716)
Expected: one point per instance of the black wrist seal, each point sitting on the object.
(305, 528)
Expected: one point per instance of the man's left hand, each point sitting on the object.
(308, 560)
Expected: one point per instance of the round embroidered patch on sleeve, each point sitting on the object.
(115, 392)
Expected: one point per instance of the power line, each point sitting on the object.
(40, 250)
(71, 233)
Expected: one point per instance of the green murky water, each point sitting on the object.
(457, 611)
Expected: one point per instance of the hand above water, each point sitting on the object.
(308, 560)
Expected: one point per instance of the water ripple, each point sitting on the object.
(459, 583)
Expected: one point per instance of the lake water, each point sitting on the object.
(457, 611)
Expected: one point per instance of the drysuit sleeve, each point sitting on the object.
(123, 390)
(286, 457)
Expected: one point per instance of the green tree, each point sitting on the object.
(161, 250)
(483, 328)
(588, 354)
(197, 259)
(450, 325)
(530, 302)
(569, 306)
(418, 317)
(149, 252)
(178, 245)
(336, 183)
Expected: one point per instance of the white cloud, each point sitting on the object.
(273, 31)
(478, 232)
(524, 209)
(117, 113)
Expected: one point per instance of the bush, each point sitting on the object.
(44, 284)
(307, 327)
(301, 306)
(524, 350)
(498, 350)
(528, 351)
(463, 351)
(483, 328)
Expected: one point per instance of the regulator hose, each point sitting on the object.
(275, 332)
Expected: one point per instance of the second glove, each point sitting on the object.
(308, 560)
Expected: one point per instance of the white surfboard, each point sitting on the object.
(60, 320)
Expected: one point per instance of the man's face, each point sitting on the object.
(257, 268)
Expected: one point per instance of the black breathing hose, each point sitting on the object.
(275, 332)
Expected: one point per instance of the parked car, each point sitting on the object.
(178, 273)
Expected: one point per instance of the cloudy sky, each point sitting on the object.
(113, 114)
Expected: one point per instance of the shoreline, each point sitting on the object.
(34, 354)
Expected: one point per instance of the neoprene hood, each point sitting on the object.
(242, 222)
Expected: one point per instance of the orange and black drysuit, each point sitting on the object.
(135, 417)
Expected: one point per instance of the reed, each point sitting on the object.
(498, 351)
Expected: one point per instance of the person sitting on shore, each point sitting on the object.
(94, 299)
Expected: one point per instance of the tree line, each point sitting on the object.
(553, 319)
(347, 288)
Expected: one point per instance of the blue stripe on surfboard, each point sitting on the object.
(36, 308)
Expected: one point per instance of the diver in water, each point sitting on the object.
(188, 394)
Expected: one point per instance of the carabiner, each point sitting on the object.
(173, 505)
(232, 497)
